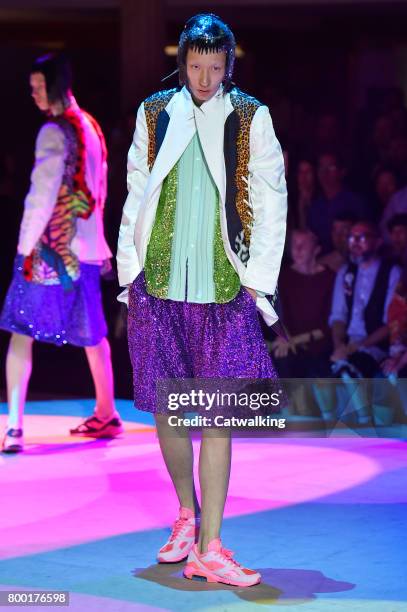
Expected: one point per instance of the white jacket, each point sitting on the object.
(267, 190)
(89, 243)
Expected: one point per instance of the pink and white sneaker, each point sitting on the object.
(218, 565)
(183, 536)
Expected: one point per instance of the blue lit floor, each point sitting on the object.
(324, 520)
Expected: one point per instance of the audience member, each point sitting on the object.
(395, 366)
(363, 290)
(397, 156)
(328, 135)
(305, 283)
(306, 353)
(372, 150)
(397, 322)
(397, 205)
(385, 185)
(382, 136)
(397, 228)
(339, 235)
(334, 200)
(301, 194)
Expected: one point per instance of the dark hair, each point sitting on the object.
(303, 232)
(58, 76)
(386, 169)
(370, 224)
(337, 155)
(305, 159)
(400, 219)
(346, 216)
(207, 33)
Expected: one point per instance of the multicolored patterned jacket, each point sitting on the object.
(54, 235)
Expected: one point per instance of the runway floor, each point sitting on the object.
(323, 519)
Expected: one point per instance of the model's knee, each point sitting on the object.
(20, 341)
(161, 420)
(103, 345)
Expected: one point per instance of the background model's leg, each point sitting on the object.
(105, 421)
(18, 372)
(100, 363)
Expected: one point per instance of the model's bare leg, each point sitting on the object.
(100, 364)
(214, 473)
(18, 372)
(177, 451)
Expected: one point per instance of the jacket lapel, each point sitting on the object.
(181, 129)
(184, 120)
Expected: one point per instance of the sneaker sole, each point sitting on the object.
(177, 560)
(196, 574)
(12, 450)
(109, 432)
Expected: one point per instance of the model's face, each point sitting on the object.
(39, 90)
(205, 72)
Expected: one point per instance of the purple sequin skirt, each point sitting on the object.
(50, 314)
(169, 339)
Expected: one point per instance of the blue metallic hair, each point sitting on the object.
(207, 33)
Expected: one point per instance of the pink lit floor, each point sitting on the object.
(324, 520)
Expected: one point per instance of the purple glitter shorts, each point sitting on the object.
(50, 314)
(169, 339)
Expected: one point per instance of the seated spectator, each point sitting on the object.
(371, 145)
(397, 205)
(334, 200)
(328, 133)
(304, 282)
(378, 145)
(397, 318)
(339, 235)
(363, 290)
(304, 192)
(394, 106)
(385, 185)
(397, 156)
(395, 366)
(306, 353)
(397, 228)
